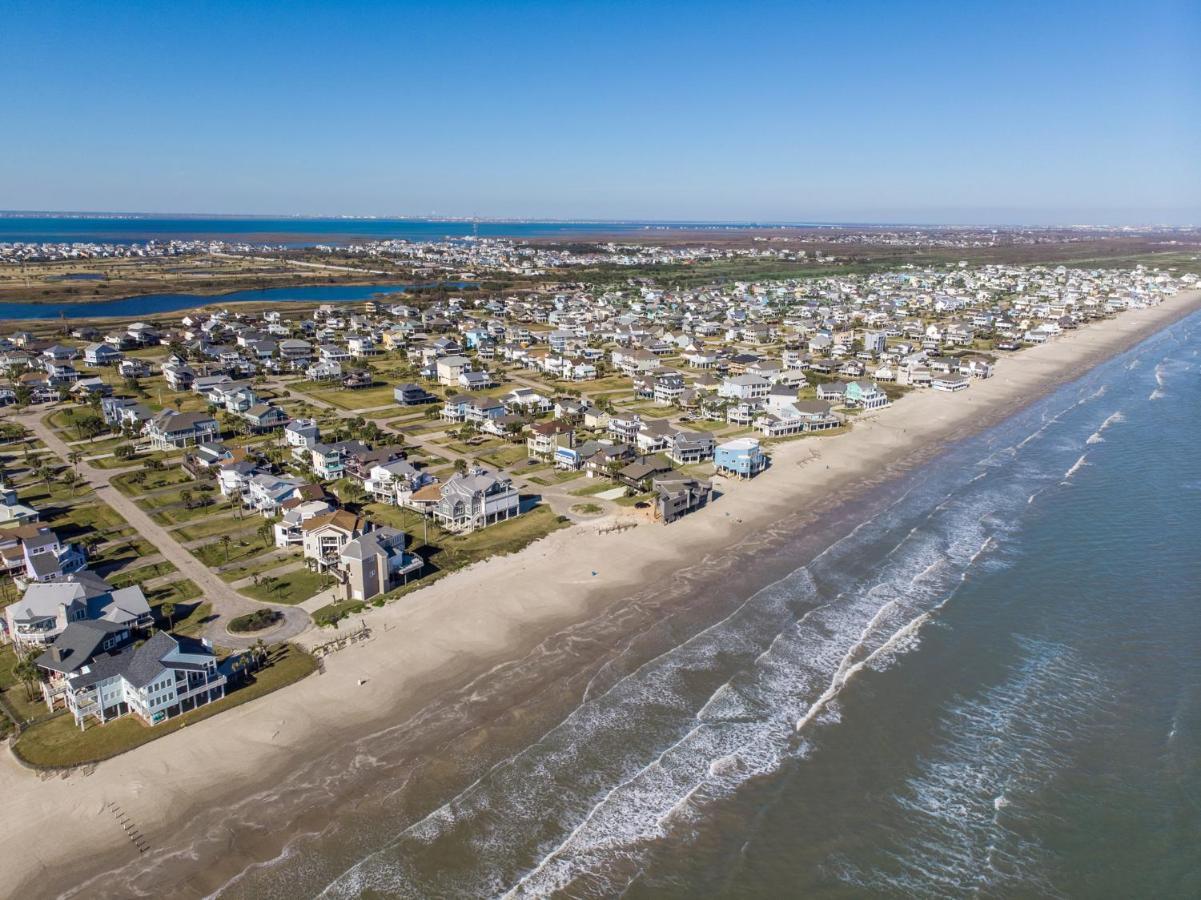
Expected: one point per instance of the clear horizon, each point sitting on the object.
(740, 223)
(919, 113)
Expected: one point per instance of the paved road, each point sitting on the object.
(226, 602)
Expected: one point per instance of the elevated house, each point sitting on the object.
(324, 536)
(170, 430)
(475, 499)
(155, 681)
(46, 608)
(677, 495)
(375, 563)
(739, 458)
(545, 439)
(691, 447)
(412, 395)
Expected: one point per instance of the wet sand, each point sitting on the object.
(442, 638)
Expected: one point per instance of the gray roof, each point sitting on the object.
(383, 540)
(78, 643)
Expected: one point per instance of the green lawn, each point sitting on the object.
(193, 623)
(12, 691)
(141, 574)
(364, 398)
(219, 553)
(504, 455)
(57, 742)
(291, 587)
(215, 527)
(168, 509)
(254, 566)
(176, 592)
(598, 486)
(143, 481)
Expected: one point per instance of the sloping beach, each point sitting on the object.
(55, 833)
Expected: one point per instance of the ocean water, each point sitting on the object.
(986, 681)
(304, 231)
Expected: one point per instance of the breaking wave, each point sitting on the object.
(964, 807)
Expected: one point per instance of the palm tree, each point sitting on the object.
(71, 479)
(226, 540)
(73, 458)
(167, 610)
(27, 671)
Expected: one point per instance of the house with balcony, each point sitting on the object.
(449, 368)
(472, 408)
(475, 499)
(744, 387)
(412, 395)
(324, 536)
(178, 374)
(170, 430)
(690, 447)
(289, 531)
(362, 346)
(155, 681)
(324, 370)
(33, 552)
(545, 439)
(264, 417)
(376, 562)
(739, 458)
(395, 481)
(102, 355)
(865, 394)
(677, 495)
(328, 461)
(45, 609)
(267, 493)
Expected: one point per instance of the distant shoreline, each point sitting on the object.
(500, 609)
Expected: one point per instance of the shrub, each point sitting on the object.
(255, 621)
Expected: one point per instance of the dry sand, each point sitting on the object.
(465, 623)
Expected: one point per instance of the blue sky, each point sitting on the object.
(1010, 112)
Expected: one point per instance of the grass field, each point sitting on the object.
(290, 588)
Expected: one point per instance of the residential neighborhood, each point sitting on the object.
(165, 481)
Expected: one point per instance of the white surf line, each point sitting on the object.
(1076, 467)
(1100, 392)
(1095, 437)
(840, 680)
(555, 852)
(533, 745)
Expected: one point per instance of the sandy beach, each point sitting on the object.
(56, 832)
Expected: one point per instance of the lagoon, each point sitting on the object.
(150, 304)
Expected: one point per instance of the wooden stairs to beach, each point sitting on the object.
(131, 830)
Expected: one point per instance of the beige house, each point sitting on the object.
(325, 536)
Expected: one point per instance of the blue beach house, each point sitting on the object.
(739, 458)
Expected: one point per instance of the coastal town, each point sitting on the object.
(185, 498)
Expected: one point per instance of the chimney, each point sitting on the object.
(56, 653)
